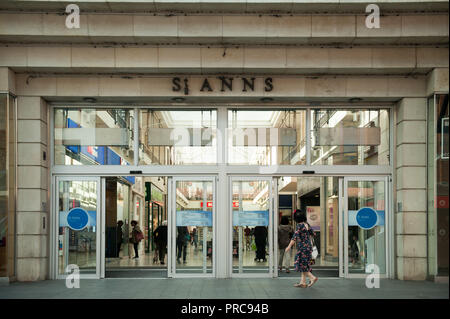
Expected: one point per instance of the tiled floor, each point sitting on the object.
(281, 288)
(195, 259)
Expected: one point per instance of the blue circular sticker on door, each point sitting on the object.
(367, 218)
(77, 218)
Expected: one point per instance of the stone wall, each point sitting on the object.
(33, 190)
(411, 209)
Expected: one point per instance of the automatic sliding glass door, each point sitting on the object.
(252, 247)
(366, 221)
(192, 232)
(77, 219)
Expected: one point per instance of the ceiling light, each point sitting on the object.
(89, 99)
(266, 99)
(178, 99)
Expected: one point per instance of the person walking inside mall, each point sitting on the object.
(119, 237)
(260, 234)
(136, 237)
(303, 258)
(248, 241)
(284, 238)
(182, 242)
(160, 238)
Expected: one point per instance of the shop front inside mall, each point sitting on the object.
(210, 187)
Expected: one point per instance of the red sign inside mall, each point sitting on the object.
(209, 204)
(441, 202)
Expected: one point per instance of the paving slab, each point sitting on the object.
(194, 288)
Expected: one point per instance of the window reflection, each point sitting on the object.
(94, 137)
(255, 137)
(269, 137)
(349, 137)
(177, 137)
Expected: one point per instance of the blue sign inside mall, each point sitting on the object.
(251, 218)
(194, 218)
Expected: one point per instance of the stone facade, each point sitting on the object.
(312, 57)
(411, 189)
(32, 223)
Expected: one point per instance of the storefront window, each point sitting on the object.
(349, 137)
(269, 137)
(94, 137)
(180, 137)
(7, 184)
(438, 187)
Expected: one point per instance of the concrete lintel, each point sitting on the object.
(295, 88)
(227, 5)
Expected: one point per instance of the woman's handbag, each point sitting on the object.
(139, 236)
(315, 252)
(253, 246)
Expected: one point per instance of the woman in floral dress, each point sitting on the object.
(304, 249)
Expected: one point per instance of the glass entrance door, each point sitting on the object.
(366, 226)
(251, 232)
(192, 232)
(76, 224)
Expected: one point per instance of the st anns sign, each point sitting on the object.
(222, 84)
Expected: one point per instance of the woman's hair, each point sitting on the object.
(284, 220)
(133, 222)
(299, 216)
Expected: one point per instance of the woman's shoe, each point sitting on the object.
(300, 285)
(313, 282)
(288, 271)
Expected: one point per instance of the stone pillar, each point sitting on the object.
(8, 146)
(411, 206)
(32, 193)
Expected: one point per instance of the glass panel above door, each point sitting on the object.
(267, 137)
(93, 136)
(178, 137)
(350, 137)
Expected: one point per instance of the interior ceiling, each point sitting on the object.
(290, 188)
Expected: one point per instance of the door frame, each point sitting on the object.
(54, 247)
(171, 219)
(344, 225)
(271, 233)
